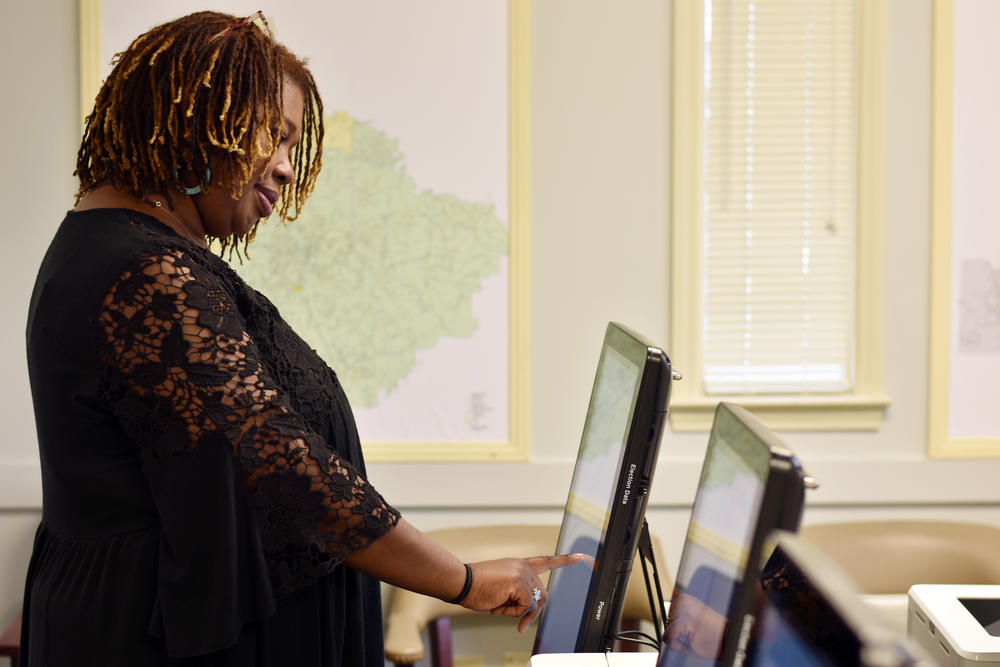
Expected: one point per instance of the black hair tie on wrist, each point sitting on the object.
(465, 588)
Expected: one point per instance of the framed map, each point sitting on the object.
(407, 269)
(965, 236)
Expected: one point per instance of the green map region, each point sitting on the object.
(375, 269)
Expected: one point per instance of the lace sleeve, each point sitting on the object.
(190, 374)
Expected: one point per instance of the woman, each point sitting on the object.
(205, 500)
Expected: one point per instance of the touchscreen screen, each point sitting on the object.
(796, 624)
(986, 611)
(714, 559)
(588, 508)
(779, 644)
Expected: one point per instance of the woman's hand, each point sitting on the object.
(505, 586)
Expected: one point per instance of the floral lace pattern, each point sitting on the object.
(183, 370)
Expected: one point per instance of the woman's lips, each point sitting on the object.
(266, 198)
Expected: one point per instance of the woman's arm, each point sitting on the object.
(183, 350)
(407, 558)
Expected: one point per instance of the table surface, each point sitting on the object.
(594, 660)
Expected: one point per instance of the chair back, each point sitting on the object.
(887, 557)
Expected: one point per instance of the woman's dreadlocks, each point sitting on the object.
(199, 95)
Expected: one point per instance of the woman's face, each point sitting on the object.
(221, 215)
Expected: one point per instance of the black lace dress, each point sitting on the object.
(202, 476)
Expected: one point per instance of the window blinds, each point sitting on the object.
(779, 196)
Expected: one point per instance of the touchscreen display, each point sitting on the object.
(778, 644)
(796, 625)
(720, 535)
(588, 508)
(986, 611)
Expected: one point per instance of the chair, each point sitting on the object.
(409, 613)
(10, 641)
(885, 558)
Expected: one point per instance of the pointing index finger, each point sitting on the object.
(545, 563)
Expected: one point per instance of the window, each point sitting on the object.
(777, 210)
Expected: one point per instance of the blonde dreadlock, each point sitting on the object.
(201, 91)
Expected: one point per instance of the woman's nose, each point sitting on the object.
(283, 171)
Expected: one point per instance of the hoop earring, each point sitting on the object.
(197, 188)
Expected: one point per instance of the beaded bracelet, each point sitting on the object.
(465, 588)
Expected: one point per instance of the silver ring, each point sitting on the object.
(536, 594)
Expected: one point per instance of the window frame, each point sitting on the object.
(863, 407)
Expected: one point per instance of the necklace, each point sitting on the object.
(187, 230)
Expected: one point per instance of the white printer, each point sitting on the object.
(957, 625)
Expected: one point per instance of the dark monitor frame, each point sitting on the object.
(605, 598)
(797, 573)
(780, 508)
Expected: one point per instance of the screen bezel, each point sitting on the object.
(780, 508)
(619, 539)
